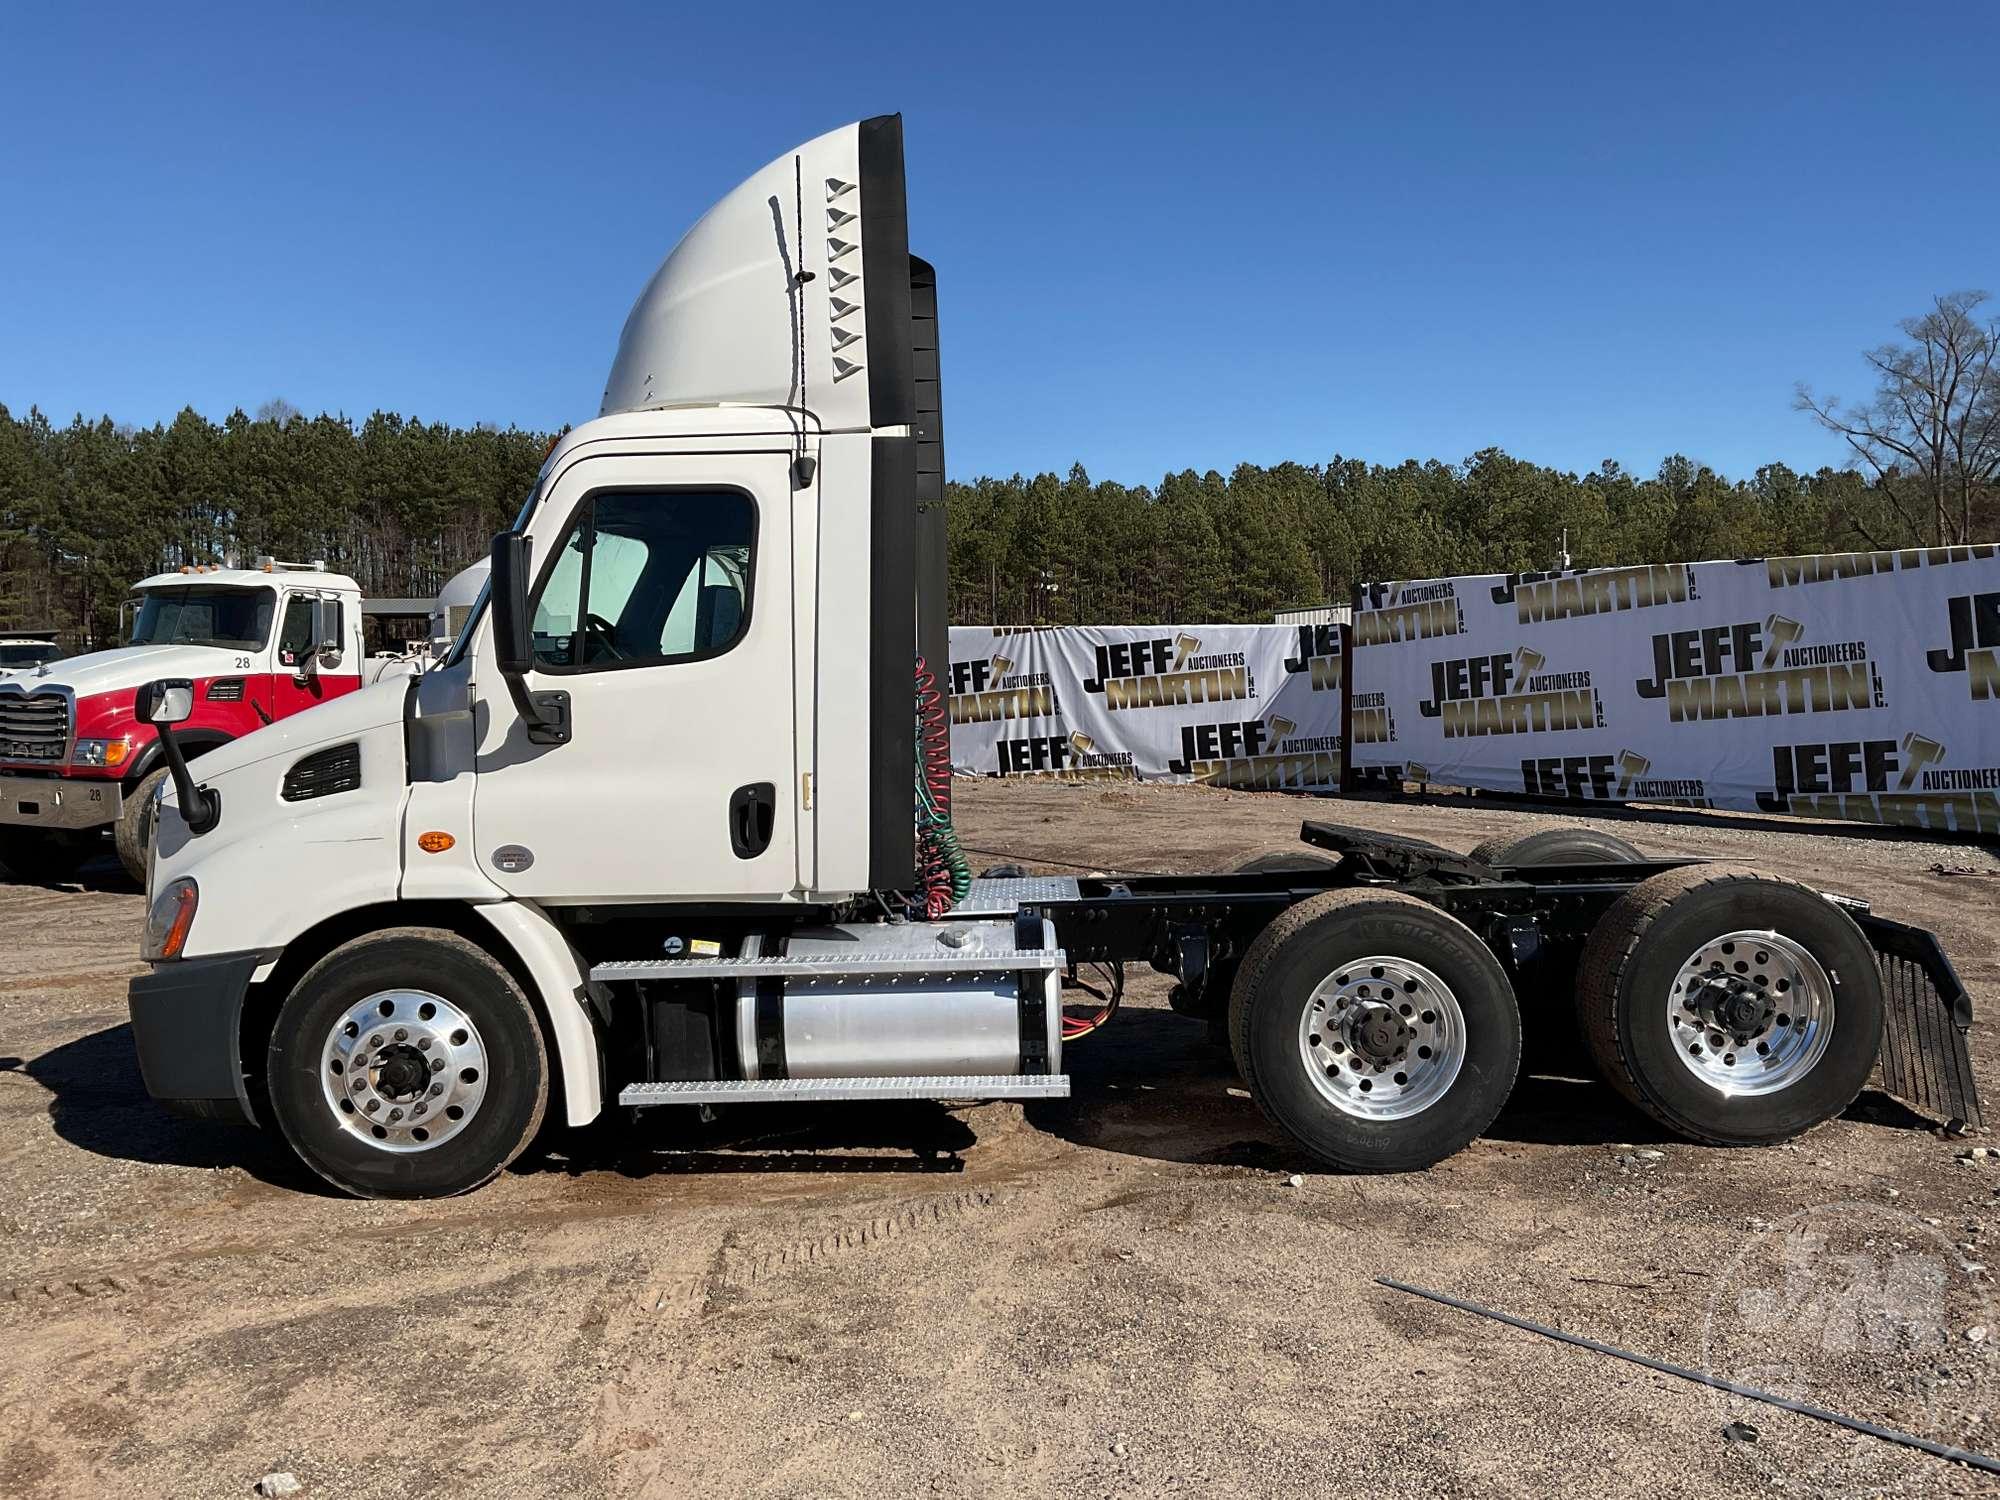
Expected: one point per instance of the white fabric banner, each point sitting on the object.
(1863, 686)
(1234, 705)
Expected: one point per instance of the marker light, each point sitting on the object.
(435, 842)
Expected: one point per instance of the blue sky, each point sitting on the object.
(1167, 236)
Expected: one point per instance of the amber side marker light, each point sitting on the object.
(435, 842)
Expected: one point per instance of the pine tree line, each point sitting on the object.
(88, 508)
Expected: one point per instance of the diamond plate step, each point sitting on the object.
(827, 1090)
(1002, 895)
(835, 966)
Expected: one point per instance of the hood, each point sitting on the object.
(337, 719)
(127, 667)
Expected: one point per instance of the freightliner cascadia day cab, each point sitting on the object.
(258, 644)
(669, 824)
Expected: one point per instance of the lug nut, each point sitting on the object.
(423, 1044)
(437, 1065)
(436, 1089)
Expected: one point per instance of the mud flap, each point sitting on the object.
(1927, 1013)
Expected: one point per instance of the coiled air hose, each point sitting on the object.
(943, 876)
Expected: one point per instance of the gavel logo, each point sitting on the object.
(1631, 766)
(1185, 647)
(1779, 633)
(1919, 751)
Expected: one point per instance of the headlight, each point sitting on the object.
(101, 752)
(168, 922)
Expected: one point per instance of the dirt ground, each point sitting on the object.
(1123, 1294)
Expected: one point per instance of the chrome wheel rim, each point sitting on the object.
(404, 1071)
(1750, 1013)
(1382, 1038)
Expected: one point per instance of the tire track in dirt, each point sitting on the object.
(729, 1279)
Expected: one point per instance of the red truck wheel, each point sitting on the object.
(134, 833)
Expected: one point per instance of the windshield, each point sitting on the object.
(26, 653)
(235, 619)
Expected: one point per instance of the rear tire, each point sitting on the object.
(134, 831)
(1287, 859)
(1735, 1007)
(45, 856)
(408, 1064)
(1386, 1067)
(1558, 846)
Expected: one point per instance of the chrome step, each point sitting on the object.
(827, 1090)
(835, 966)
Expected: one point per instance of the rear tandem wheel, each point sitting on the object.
(1375, 1030)
(1735, 1007)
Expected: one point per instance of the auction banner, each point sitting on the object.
(1232, 705)
(1863, 686)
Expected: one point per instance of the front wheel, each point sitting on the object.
(1374, 1029)
(134, 830)
(1734, 1007)
(408, 1064)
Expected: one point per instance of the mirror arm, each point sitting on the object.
(201, 808)
(524, 701)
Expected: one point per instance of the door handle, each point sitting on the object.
(753, 813)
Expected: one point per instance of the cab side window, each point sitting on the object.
(647, 577)
(295, 638)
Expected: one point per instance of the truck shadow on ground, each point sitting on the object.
(98, 1103)
(99, 873)
(916, 1135)
(1151, 1085)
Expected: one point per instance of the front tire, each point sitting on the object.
(408, 1064)
(134, 831)
(1734, 1007)
(1375, 1030)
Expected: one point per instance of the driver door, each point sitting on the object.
(661, 605)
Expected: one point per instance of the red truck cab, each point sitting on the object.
(259, 644)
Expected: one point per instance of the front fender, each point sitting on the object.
(564, 987)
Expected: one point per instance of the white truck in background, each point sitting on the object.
(669, 825)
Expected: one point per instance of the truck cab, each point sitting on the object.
(258, 644)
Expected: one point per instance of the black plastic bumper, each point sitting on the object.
(186, 1021)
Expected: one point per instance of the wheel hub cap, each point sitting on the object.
(1750, 1013)
(1382, 1038)
(404, 1070)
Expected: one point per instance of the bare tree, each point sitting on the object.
(1931, 435)
(277, 411)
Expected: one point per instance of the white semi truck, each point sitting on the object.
(669, 824)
